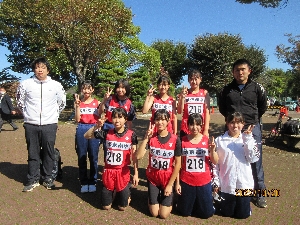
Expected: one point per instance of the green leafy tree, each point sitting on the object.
(291, 55)
(139, 82)
(6, 76)
(173, 58)
(293, 85)
(76, 35)
(275, 82)
(132, 59)
(265, 3)
(213, 55)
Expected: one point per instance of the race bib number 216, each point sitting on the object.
(195, 108)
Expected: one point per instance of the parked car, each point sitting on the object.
(291, 105)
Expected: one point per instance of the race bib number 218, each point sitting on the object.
(195, 164)
(114, 158)
(160, 163)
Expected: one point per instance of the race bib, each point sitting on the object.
(195, 108)
(160, 163)
(114, 158)
(195, 164)
(111, 108)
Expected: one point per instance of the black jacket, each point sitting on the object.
(251, 101)
(6, 105)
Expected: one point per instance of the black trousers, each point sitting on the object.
(6, 117)
(40, 145)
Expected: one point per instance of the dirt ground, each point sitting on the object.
(66, 205)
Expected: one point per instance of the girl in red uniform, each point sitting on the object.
(121, 144)
(162, 101)
(87, 115)
(164, 164)
(195, 189)
(194, 100)
(118, 99)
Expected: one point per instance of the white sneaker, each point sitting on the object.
(84, 189)
(92, 188)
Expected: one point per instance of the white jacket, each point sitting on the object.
(233, 170)
(41, 101)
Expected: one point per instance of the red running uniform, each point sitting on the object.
(195, 166)
(114, 104)
(158, 103)
(194, 103)
(116, 174)
(161, 158)
(89, 112)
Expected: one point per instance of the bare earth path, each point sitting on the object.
(66, 205)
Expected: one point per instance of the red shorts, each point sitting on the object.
(116, 179)
(159, 178)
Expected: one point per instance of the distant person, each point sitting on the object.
(162, 100)
(194, 100)
(87, 115)
(121, 146)
(236, 151)
(6, 109)
(250, 98)
(40, 99)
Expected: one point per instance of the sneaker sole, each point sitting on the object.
(259, 206)
(33, 186)
(47, 187)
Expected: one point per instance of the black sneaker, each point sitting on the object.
(260, 202)
(30, 187)
(49, 184)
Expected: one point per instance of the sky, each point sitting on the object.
(184, 20)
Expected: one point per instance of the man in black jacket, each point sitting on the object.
(250, 98)
(6, 109)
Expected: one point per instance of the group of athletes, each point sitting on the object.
(190, 165)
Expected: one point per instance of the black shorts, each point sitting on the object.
(182, 134)
(156, 196)
(121, 196)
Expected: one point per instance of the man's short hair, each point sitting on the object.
(42, 60)
(241, 62)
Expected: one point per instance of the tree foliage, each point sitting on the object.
(291, 55)
(75, 35)
(139, 82)
(213, 55)
(265, 3)
(275, 82)
(173, 58)
(293, 84)
(6, 76)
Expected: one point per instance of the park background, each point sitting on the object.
(176, 35)
(153, 34)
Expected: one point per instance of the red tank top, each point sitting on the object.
(118, 150)
(158, 103)
(161, 156)
(114, 104)
(89, 112)
(194, 103)
(195, 169)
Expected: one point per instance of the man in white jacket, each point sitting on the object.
(41, 100)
